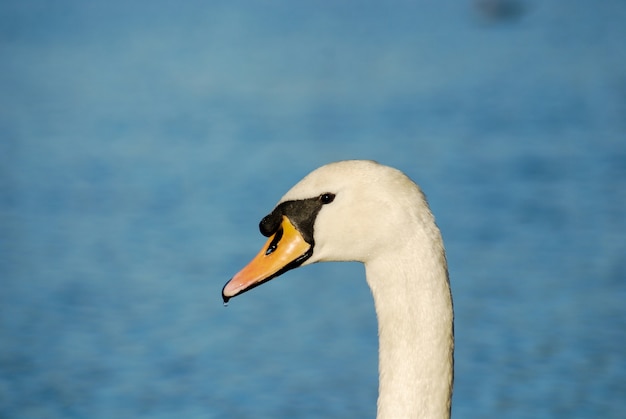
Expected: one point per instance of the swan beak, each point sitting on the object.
(285, 250)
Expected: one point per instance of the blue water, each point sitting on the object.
(141, 143)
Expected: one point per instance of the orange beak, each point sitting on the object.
(284, 250)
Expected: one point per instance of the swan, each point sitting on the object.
(360, 210)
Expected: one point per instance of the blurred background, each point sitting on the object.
(142, 142)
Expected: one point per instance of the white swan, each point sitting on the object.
(363, 211)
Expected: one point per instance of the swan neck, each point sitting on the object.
(415, 328)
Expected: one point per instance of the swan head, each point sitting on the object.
(352, 210)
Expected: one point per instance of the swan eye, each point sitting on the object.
(327, 198)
